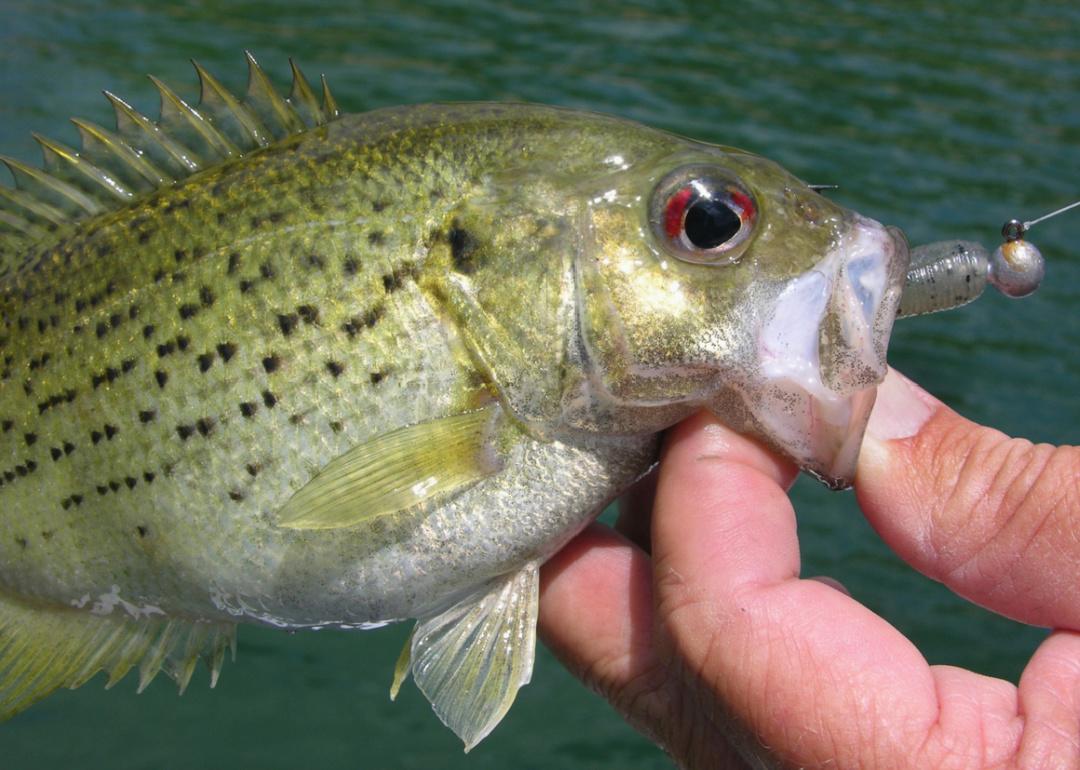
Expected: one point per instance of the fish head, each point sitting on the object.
(713, 277)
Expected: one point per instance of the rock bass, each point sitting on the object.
(263, 362)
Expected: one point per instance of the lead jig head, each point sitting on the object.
(1017, 266)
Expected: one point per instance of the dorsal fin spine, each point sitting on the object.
(114, 167)
(184, 122)
(135, 168)
(224, 109)
(267, 102)
(62, 161)
(142, 134)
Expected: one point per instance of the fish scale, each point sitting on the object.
(381, 366)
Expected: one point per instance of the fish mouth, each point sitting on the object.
(821, 351)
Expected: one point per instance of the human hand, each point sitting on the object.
(714, 648)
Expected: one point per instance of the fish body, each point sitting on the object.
(381, 366)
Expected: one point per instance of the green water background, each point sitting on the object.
(945, 118)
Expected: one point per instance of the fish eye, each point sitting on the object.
(702, 214)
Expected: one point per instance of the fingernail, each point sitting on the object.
(901, 409)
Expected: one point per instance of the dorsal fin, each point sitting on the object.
(113, 167)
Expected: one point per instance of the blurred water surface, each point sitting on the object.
(945, 118)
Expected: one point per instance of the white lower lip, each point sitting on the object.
(820, 423)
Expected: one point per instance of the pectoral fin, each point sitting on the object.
(43, 648)
(397, 470)
(470, 659)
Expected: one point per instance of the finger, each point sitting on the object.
(596, 615)
(635, 511)
(596, 610)
(1050, 702)
(992, 517)
(815, 676)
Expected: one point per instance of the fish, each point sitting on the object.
(266, 362)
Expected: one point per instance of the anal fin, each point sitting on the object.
(396, 471)
(470, 660)
(44, 647)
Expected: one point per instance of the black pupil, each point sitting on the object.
(710, 223)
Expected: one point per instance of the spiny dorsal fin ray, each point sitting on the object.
(43, 648)
(113, 168)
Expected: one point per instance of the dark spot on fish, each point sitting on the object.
(110, 431)
(104, 249)
(29, 438)
(144, 236)
(204, 425)
(148, 415)
(148, 477)
(131, 481)
(179, 255)
(161, 377)
(5, 425)
(20, 470)
(42, 325)
(245, 286)
(47, 534)
(9, 476)
(271, 363)
(269, 399)
(462, 249)
(68, 447)
(309, 314)
(65, 503)
(206, 360)
(21, 541)
(336, 426)
(375, 237)
(80, 305)
(111, 374)
(236, 495)
(148, 331)
(248, 408)
(335, 368)
(351, 266)
(95, 436)
(185, 431)
(127, 365)
(142, 530)
(182, 342)
(253, 469)
(266, 270)
(101, 329)
(28, 387)
(165, 348)
(114, 486)
(378, 206)
(187, 310)
(315, 261)
(376, 377)
(234, 263)
(56, 453)
(159, 275)
(226, 350)
(287, 323)
(206, 296)
(296, 419)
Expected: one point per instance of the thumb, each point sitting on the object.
(994, 518)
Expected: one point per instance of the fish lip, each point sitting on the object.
(822, 351)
